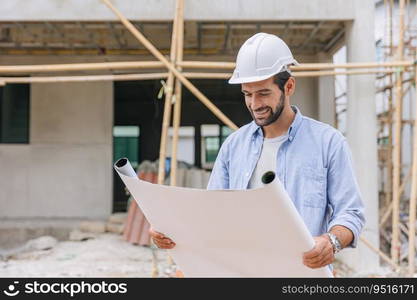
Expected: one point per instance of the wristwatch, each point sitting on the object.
(337, 246)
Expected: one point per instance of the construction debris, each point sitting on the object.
(107, 255)
(115, 228)
(35, 245)
(93, 226)
(117, 218)
(77, 235)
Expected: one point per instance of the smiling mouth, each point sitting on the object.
(261, 113)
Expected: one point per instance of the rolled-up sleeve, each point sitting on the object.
(343, 192)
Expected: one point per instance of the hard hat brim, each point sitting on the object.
(236, 80)
(233, 80)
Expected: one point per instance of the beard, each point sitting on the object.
(272, 115)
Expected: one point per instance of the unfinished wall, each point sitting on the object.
(305, 96)
(65, 171)
(306, 91)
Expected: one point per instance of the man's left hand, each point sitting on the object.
(321, 255)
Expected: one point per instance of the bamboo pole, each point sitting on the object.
(126, 65)
(391, 86)
(178, 56)
(366, 65)
(413, 197)
(390, 112)
(295, 74)
(194, 75)
(171, 67)
(405, 231)
(395, 239)
(167, 106)
(381, 254)
(301, 67)
(119, 77)
(167, 110)
(389, 209)
(178, 97)
(388, 17)
(207, 65)
(330, 73)
(51, 79)
(149, 76)
(389, 163)
(129, 65)
(197, 75)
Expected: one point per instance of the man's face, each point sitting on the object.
(264, 100)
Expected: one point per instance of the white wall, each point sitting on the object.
(305, 96)
(65, 171)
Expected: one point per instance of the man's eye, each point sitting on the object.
(264, 94)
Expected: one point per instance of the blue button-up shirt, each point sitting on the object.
(314, 164)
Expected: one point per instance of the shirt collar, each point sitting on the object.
(292, 130)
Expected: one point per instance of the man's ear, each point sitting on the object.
(289, 86)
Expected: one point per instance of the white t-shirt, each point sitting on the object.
(267, 160)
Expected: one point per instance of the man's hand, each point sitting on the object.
(160, 240)
(321, 255)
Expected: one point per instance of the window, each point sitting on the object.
(211, 149)
(14, 113)
(126, 143)
(226, 131)
(212, 137)
(185, 147)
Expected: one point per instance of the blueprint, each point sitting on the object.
(226, 233)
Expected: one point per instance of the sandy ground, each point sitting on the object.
(105, 256)
(108, 255)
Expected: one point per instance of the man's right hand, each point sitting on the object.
(160, 240)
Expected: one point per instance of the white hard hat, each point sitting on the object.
(260, 57)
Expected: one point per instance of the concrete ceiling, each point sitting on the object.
(201, 38)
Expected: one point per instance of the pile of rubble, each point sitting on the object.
(90, 229)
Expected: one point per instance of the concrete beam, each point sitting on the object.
(94, 10)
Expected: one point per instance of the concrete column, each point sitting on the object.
(326, 93)
(361, 131)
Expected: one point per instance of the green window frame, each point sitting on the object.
(14, 113)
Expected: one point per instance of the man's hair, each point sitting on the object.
(281, 79)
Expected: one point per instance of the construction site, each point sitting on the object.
(86, 82)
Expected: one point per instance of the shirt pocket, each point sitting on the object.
(314, 187)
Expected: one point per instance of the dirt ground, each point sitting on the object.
(107, 255)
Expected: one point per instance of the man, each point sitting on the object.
(311, 159)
